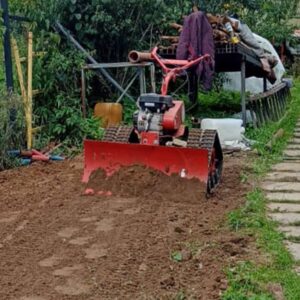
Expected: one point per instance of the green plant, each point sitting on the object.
(181, 295)
(216, 104)
(129, 107)
(176, 256)
(11, 128)
(108, 34)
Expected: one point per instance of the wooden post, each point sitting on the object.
(19, 71)
(29, 89)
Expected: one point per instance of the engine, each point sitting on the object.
(158, 113)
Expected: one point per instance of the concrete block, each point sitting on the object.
(287, 167)
(281, 197)
(292, 153)
(284, 207)
(285, 218)
(294, 248)
(288, 187)
(283, 176)
(290, 231)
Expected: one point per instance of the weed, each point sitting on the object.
(194, 247)
(181, 295)
(244, 177)
(176, 256)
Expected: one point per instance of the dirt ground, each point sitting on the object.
(152, 239)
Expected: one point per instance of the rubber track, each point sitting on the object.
(118, 134)
(199, 139)
(205, 139)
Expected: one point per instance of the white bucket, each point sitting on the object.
(228, 129)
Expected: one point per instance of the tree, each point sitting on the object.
(109, 29)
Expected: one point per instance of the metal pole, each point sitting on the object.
(128, 87)
(7, 47)
(243, 90)
(152, 76)
(91, 59)
(141, 71)
(265, 84)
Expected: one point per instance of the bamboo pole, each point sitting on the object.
(19, 70)
(29, 89)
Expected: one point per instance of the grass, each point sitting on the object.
(250, 279)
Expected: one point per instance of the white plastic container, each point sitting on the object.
(228, 129)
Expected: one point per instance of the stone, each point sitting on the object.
(290, 231)
(297, 270)
(295, 141)
(293, 147)
(281, 186)
(186, 254)
(292, 153)
(281, 197)
(283, 176)
(284, 207)
(167, 282)
(285, 218)
(294, 248)
(276, 290)
(143, 267)
(287, 166)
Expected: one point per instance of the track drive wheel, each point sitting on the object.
(120, 134)
(209, 140)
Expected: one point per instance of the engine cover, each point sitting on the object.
(155, 103)
(174, 118)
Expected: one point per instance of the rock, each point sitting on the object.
(167, 282)
(224, 285)
(173, 218)
(143, 267)
(200, 266)
(179, 230)
(186, 255)
(276, 290)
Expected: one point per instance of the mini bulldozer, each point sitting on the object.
(158, 138)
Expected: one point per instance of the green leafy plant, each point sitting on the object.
(176, 256)
(12, 130)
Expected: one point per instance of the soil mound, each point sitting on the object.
(140, 181)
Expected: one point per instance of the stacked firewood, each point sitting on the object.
(220, 33)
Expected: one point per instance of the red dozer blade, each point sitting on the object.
(110, 156)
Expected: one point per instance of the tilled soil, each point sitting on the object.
(153, 238)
